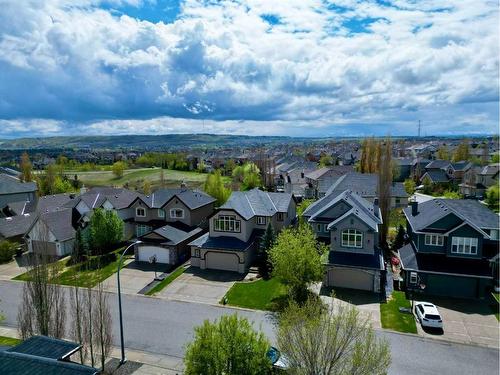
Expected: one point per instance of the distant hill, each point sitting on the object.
(145, 142)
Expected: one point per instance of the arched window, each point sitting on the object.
(352, 238)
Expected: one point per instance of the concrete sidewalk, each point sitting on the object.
(149, 363)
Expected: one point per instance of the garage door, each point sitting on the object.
(350, 278)
(221, 261)
(451, 286)
(146, 252)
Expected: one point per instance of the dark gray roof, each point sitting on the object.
(51, 202)
(364, 184)
(461, 165)
(349, 259)
(257, 203)
(119, 197)
(404, 161)
(469, 210)
(173, 235)
(193, 199)
(15, 226)
(12, 185)
(436, 175)
(335, 171)
(48, 347)
(491, 169)
(59, 223)
(224, 242)
(408, 257)
(438, 164)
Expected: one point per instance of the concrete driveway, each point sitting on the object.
(465, 321)
(134, 277)
(201, 286)
(13, 268)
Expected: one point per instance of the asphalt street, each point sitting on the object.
(165, 327)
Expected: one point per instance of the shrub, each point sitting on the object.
(7, 251)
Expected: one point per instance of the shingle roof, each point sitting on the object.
(12, 185)
(59, 223)
(47, 347)
(349, 259)
(175, 235)
(490, 169)
(193, 199)
(364, 184)
(438, 164)
(119, 197)
(470, 210)
(436, 175)
(461, 165)
(51, 202)
(224, 242)
(257, 203)
(16, 225)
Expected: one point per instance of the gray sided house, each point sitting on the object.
(236, 227)
(13, 190)
(320, 180)
(351, 224)
(453, 243)
(167, 220)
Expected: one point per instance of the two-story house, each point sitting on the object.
(445, 172)
(351, 224)
(320, 180)
(452, 242)
(236, 228)
(477, 180)
(167, 220)
(13, 190)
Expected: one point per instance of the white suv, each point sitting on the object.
(428, 315)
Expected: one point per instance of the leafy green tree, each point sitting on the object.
(62, 185)
(214, 186)
(326, 160)
(106, 230)
(427, 185)
(495, 158)
(7, 250)
(462, 152)
(118, 168)
(229, 346)
(492, 198)
(251, 181)
(330, 341)
(296, 260)
(410, 186)
(443, 153)
(26, 168)
(302, 207)
(267, 242)
(146, 187)
(247, 175)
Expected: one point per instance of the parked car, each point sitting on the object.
(428, 315)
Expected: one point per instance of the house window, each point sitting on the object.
(352, 238)
(464, 245)
(161, 213)
(280, 216)
(141, 229)
(398, 201)
(140, 212)
(319, 227)
(226, 223)
(176, 213)
(413, 278)
(197, 253)
(434, 240)
(261, 220)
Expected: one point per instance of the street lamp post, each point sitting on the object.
(123, 359)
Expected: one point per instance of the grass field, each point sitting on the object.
(258, 295)
(392, 318)
(8, 341)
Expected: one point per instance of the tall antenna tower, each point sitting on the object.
(419, 128)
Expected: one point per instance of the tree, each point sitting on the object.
(427, 185)
(77, 309)
(146, 187)
(410, 186)
(228, 346)
(296, 260)
(26, 168)
(102, 323)
(338, 340)
(443, 153)
(50, 179)
(251, 181)
(7, 250)
(162, 178)
(214, 186)
(462, 152)
(384, 188)
(302, 207)
(267, 242)
(247, 176)
(495, 158)
(106, 229)
(326, 160)
(399, 241)
(79, 248)
(492, 198)
(118, 168)
(61, 185)
(43, 309)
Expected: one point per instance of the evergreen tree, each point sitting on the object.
(399, 241)
(267, 242)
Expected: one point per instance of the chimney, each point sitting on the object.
(414, 208)
(375, 207)
(302, 174)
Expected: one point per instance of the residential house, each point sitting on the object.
(477, 180)
(167, 220)
(13, 190)
(43, 355)
(320, 180)
(452, 244)
(351, 225)
(445, 172)
(235, 229)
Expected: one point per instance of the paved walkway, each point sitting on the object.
(13, 268)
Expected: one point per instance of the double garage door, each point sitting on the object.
(351, 278)
(146, 252)
(452, 286)
(221, 261)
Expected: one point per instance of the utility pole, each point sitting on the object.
(419, 128)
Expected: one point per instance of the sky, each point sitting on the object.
(255, 67)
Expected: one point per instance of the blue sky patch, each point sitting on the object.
(358, 25)
(153, 11)
(271, 19)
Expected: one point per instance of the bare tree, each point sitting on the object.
(42, 310)
(316, 339)
(102, 324)
(78, 313)
(384, 188)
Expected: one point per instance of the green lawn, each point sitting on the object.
(497, 306)
(258, 295)
(76, 275)
(160, 286)
(9, 341)
(392, 318)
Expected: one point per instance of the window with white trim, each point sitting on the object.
(413, 278)
(464, 245)
(434, 240)
(177, 213)
(141, 229)
(261, 220)
(161, 213)
(352, 238)
(226, 223)
(140, 212)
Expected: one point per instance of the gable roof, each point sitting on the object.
(120, 198)
(47, 347)
(364, 184)
(14, 226)
(173, 235)
(436, 175)
(491, 169)
(471, 211)
(192, 199)
(256, 202)
(12, 185)
(59, 223)
(438, 164)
